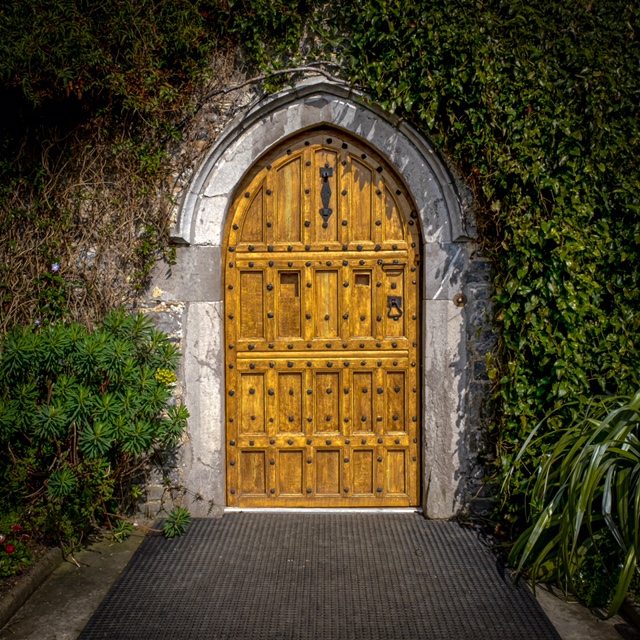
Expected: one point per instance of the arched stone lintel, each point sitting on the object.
(311, 104)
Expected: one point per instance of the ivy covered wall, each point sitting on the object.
(536, 104)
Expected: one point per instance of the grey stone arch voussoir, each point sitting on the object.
(201, 223)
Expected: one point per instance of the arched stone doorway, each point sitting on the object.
(443, 361)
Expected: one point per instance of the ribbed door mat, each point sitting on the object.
(297, 576)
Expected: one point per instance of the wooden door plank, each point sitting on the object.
(288, 227)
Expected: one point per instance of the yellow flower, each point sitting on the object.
(165, 376)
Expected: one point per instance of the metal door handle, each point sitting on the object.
(326, 172)
(394, 302)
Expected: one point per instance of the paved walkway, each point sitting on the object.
(62, 606)
(286, 576)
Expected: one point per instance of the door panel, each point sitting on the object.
(252, 305)
(361, 303)
(328, 472)
(396, 472)
(289, 305)
(288, 198)
(359, 185)
(252, 473)
(327, 304)
(321, 331)
(252, 229)
(290, 473)
(363, 472)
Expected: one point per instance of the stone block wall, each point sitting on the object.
(163, 478)
(481, 339)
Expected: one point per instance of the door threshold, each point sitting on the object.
(334, 510)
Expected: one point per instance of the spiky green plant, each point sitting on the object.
(176, 523)
(586, 492)
(81, 414)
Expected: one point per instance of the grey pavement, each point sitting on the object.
(63, 604)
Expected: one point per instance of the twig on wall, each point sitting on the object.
(312, 67)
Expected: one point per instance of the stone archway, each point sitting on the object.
(445, 235)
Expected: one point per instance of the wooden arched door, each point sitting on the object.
(322, 331)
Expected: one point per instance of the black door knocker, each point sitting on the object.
(326, 172)
(394, 302)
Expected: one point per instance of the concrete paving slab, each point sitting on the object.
(63, 604)
(17, 590)
(574, 621)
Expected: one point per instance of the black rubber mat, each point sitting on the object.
(317, 576)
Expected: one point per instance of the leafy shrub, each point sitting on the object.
(15, 555)
(81, 412)
(176, 523)
(122, 529)
(586, 502)
(596, 579)
(137, 52)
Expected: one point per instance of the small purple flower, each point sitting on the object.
(37, 322)
(55, 267)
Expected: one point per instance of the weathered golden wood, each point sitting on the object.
(322, 378)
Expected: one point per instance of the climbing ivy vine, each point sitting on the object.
(536, 104)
